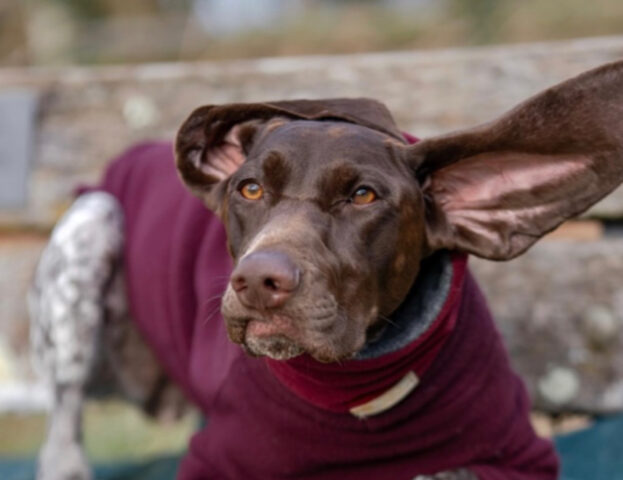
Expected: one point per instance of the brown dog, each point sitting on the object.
(357, 209)
(334, 223)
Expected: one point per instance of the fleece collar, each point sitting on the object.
(386, 371)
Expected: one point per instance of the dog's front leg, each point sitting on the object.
(62, 456)
(461, 474)
(67, 311)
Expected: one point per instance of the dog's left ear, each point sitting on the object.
(496, 189)
(215, 139)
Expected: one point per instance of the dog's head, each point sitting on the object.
(329, 211)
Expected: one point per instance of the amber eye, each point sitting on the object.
(363, 196)
(251, 191)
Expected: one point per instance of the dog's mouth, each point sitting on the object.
(312, 322)
(281, 337)
(276, 338)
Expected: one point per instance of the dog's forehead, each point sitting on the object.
(330, 133)
(316, 145)
(320, 158)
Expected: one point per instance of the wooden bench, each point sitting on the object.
(559, 307)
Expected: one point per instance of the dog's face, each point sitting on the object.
(328, 211)
(324, 220)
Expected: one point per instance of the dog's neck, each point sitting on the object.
(418, 311)
(388, 369)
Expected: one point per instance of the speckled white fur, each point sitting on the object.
(67, 307)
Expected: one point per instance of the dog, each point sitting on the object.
(335, 248)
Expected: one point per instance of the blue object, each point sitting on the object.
(162, 468)
(595, 453)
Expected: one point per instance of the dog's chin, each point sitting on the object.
(281, 339)
(276, 347)
(280, 347)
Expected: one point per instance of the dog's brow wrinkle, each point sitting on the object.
(336, 180)
(298, 198)
(276, 171)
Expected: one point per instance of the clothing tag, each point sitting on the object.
(387, 400)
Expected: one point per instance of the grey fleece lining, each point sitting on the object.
(419, 310)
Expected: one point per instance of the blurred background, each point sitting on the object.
(61, 32)
(82, 79)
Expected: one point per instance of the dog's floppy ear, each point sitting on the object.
(496, 189)
(213, 142)
(207, 154)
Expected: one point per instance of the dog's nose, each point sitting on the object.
(265, 279)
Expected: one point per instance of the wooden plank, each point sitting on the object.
(560, 310)
(578, 230)
(90, 114)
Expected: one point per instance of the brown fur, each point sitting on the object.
(491, 191)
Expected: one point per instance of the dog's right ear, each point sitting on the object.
(207, 154)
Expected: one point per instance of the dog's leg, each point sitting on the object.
(133, 365)
(66, 308)
(461, 474)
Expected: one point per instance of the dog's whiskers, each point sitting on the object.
(218, 280)
(390, 321)
(211, 315)
(207, 301)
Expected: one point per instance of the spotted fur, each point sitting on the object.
(461, 474)
(66, 299)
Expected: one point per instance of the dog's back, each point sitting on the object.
(175, 261)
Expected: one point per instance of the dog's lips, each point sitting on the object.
(275, 337)
(318, 328)
(271, 327)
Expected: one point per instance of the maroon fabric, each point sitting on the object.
(470, 409)
(355, 382)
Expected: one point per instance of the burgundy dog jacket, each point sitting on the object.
(284, 420)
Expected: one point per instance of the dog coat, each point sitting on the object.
(435, 392)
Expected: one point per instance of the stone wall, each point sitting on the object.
(558, 306)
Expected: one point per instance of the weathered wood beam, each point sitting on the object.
(89, 114)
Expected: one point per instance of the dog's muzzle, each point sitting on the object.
(265, 280)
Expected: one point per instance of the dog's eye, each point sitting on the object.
(251, 191)
(363, 196)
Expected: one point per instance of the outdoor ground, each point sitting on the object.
(114, 430)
